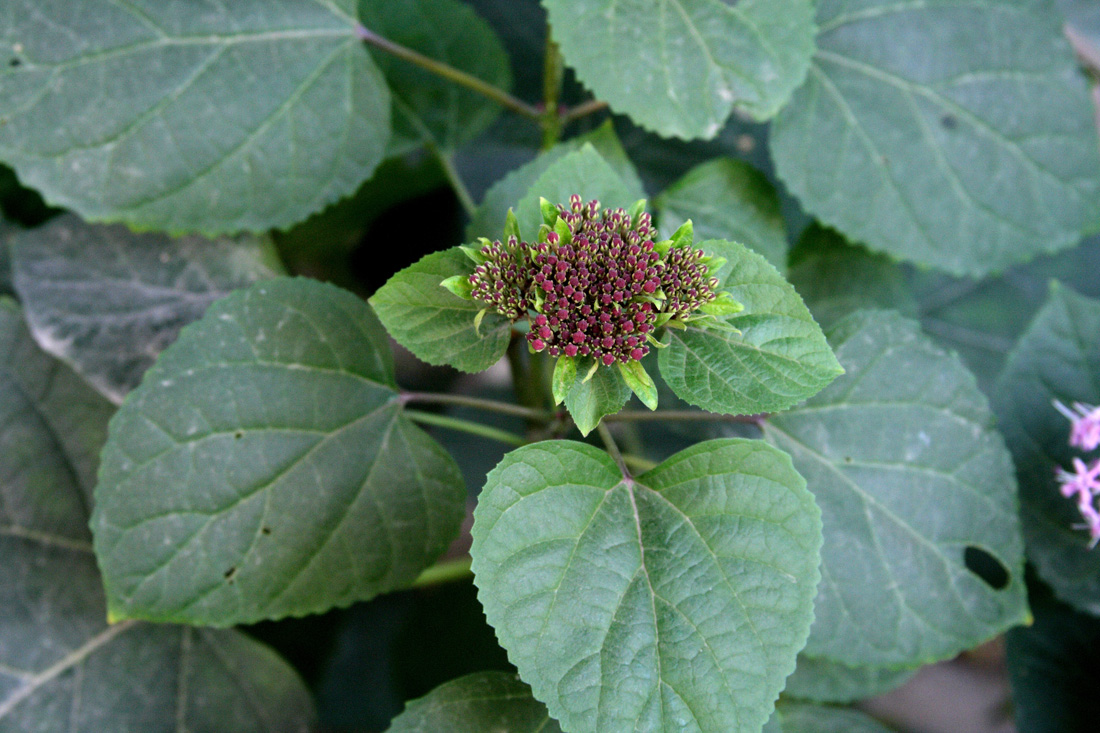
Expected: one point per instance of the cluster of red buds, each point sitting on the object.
(595, 280)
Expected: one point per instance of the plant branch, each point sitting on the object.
(466, 426)
(447, 571)
(613, 448)
(582, 110)
(551, 91)
(681, 415)
(504, 408)
(450, 73)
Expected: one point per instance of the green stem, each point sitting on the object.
(613, 448)
(450, 73)
(582, 110)
(466, 426)
(447, 571)
(638, 463)
(681, 415)
(504, 408)
(449, 170)
(552, 73)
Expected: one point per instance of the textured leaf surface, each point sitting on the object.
(107, 301)
(427, 107)
(476, 703)
(673, 601)
(909, 472)
(679, 67)
(1058, 357)
(1053, 671)
(264, 467)
(604, 394)
(435, 324)
(821, 680)
(245, 116)
(779, 358)
(802, 718)
(919, 137)
(61, 666)
(982, 319)
(488, 220)
(583, 172)
(727, 199)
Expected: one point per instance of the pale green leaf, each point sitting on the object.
(822, 680)
(245, 116)
(595, 394)
(565, 375)
(1058, 357)
(106, 301)
(427, 107)
(477, 703)
(489, 219)
(727, 199)
(61, 666)
(779, 358)
(435, 324)
(673, 601)
(264, 467)
(912, 478)
(640, 383)
(803, 718)
(679, 67)
(583, 172)
(917, 136)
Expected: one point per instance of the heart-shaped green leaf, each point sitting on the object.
(435, 324)
(679, 67)
(915, 487)
(917, 136)
(1057, 358)
(106, 300)
(676, 600)
(264, 467)
(779, 358)
(477, 703)
(247, 115)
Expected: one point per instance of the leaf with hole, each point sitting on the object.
(62, 667)
(106, 300)
(676, 600)
(435, 324)
(923, 555)
(265, 468)
(779, 357)
(918, 137)
(679, 67)
(158, 116)
(1057, 358)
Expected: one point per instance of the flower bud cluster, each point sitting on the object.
(504, 278)
(1083, 484)
(687, 284)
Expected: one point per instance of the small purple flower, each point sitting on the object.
(1085, 429)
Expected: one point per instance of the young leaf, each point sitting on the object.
(821, 680)
(106, 300)
(913, 481)
(264, 467)
(1058, 357)
(583, 172)
(436, 325)
(62, 667)
(727, 199)
(565, 375)
(158, 116)
(459, 285)
(477, 703)
(597, 391)
(702, 57)
(640, 383)
(984, 159)
(779, 358)
(426, 107)
(673, 601)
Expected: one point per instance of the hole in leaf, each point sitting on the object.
(991, 570)
(14, 62)
(266, 530)
(230, 573)
(949, 122)
(847, 459)
(238, 435)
